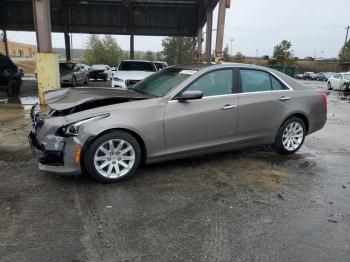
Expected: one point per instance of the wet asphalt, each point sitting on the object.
(246, 205)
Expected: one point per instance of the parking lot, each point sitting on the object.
(246, 205)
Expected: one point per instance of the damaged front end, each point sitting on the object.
(49, 151)
(56, 138)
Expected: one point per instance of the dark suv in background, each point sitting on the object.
(10, 77)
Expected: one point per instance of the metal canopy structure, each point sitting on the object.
(120, 17)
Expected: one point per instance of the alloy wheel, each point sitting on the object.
(293, 136)
(114, 158)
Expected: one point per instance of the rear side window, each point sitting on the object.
(258, 81)
(214, 83)
(276, 85)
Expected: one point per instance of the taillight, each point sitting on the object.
(324, 99)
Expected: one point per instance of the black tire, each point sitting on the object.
(278, 145)
(86, 82)
(74, 82)
(329, 86)
(88, 157)
(13, 88)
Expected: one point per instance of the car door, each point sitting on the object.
(264, 101)
(206, 122)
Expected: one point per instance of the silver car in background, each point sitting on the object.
(178, 112)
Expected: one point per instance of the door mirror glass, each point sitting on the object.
(189, 95)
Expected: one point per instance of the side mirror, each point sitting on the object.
(189, 95)
(77, 69)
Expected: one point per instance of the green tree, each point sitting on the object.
(177, 50)
(282, 53)
(226, 54)
(159, 56)
(346, 50)
(149, 56)
(102, 51)
(239, 58)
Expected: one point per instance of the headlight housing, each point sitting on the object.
(117, 79)
(74, 128)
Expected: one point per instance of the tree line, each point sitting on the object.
(178, 50)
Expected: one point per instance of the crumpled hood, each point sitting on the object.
(68, 98)
(132, 75)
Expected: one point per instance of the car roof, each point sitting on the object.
(131, 60)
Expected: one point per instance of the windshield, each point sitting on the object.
(67, 66)
(347, 76)
(162, 83)
(136, 66)
(99, 67)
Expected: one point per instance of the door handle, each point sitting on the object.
(228, 107)
(284, 98)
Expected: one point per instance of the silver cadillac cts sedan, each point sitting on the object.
(178, 112)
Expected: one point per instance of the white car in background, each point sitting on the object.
(130, 72)
(339, 81)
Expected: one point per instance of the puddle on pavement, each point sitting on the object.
(21, 102)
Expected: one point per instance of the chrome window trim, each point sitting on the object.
(268, 72)
(206, 97)
(267, 91)
(289, 88)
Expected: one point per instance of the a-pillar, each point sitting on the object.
(46, 61)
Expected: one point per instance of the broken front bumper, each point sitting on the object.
(54, 153)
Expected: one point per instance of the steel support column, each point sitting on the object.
(209, 36)
(5, 43)
(132, 48)
(65, 22)
(223, 4)
(46, 60)
(67, 46)
(193, 49)
(199, 45)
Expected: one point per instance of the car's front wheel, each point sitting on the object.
(290, 136)
(329, 86)
(112, 157)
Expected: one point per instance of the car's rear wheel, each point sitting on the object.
(113, 157)
(13, 88)
(329, 86)
(290, 136)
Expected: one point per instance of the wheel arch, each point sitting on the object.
(129, 131)
(301, 116)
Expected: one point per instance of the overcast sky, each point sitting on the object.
(313, 27)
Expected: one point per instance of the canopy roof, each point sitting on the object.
(120, 17)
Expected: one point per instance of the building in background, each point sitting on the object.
(19, 50)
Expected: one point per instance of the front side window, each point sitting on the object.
(258, 81)
(214, 83)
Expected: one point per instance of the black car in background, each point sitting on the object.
(324, 76)
(309, 76)
(10, 77)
